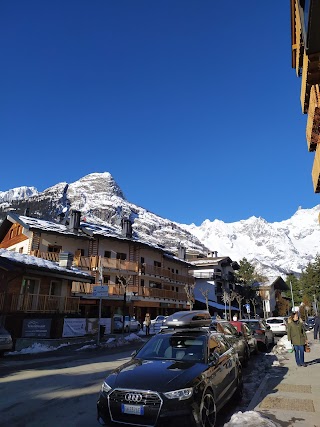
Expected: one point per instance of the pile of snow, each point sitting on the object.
(250, 419)
(36, 348)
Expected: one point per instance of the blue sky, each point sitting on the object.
(192, 106)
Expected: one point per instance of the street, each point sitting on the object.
(62, 392)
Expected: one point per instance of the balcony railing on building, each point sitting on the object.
(37, 303)
(110, 265)
(138, 292)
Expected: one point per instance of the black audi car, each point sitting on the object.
(184, 374)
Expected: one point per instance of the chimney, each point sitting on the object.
(65, 259)
(215, 254)
(126, 228)
(74, 222)
(181, 252)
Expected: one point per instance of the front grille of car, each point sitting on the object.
(150, 401)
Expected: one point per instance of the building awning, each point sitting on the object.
(216, 305)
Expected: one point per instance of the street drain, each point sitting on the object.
(305, 405)
(294, 388)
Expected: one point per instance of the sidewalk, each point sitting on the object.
(290, 396)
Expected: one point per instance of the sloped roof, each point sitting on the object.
(86, 231)
(9, 259)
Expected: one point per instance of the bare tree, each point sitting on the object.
(190, 294)
(205, 294)
(239, 298)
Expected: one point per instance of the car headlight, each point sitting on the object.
(105, 387)
(184, 393)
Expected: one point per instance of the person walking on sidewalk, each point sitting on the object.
(297, 335)
(316, 328)
(147, 322)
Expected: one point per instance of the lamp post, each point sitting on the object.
(292, 300)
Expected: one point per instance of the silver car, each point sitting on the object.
(6, 343)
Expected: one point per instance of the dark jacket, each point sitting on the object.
(296, 333)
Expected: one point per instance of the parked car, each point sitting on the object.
(158, 320)
(309, 323)
(130, 324)
(6, 343)
(277, 324)
(236, 338)
(184, 374)
(247, 334)
(261, 331)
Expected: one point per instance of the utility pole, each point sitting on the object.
(100, 300)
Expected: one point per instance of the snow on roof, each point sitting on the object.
(86, 230)
(41, 263)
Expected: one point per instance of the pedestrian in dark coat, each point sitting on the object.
(298, 337)
(316, 328)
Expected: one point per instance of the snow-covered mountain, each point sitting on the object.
(101, 201)
(275, 248)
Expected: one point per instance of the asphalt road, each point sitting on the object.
(61, 390)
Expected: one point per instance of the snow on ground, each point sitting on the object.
(91, 344)
(249, 419)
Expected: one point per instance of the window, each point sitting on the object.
(107, 254)
(177, 271)
(106, 279)
(54, 248)
(11, 234)
(157, 263)
(142, 282)
(21, 250)
(121, 256)
(142, 260)
(80, 252)
(55, 288)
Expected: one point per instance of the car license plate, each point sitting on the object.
(132, 409)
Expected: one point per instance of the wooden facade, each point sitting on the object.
(305, 42)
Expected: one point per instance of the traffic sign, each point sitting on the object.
(100, 291)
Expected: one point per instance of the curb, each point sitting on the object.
(255, 400)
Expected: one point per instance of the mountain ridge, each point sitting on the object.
(276, 248)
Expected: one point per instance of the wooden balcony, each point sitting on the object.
(145, 292)
(165, 273)
(313, 123)
(113, 265)
(37, 303)
(316, 172)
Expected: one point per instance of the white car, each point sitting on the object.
(130, 324)
(277, 324)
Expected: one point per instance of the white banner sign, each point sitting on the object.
(74, 328)
(81, 327)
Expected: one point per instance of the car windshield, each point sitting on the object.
(174, 347)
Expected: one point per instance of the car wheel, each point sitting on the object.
(208, 411)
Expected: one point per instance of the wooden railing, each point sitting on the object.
(38, 303)
(108, 264)
(145, 292)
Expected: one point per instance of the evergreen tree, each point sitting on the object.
(310, 281)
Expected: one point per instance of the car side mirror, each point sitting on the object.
(268, 327)
(214, 358)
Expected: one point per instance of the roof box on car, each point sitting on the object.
(188, 319)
